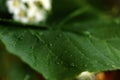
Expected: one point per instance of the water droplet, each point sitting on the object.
(14, 44)
(27, 77)
(60, 35)
(66, 51)
(20, 38)
(32, 47)
(107, 64)
(88, 33)
(72, 65)
(58, 62)
(50, 44)
(117, 21)
(41, 34)
(85, 65)
(71, 55)
(113, 66)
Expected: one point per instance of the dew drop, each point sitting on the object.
(50, 44)
(87, 32)
(117, 21)
(66, 51)
(113, 66)
(27, 77)
(20, 38)
(32, 47)
(60, 35)
(41, 34)
(71, 55)
(72, 65)
(58, 62)
(107, 64)
(85, 65)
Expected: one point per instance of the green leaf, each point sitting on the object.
(63, 54)
(12, 68)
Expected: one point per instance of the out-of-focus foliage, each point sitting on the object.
(11, 68)
(3, 10)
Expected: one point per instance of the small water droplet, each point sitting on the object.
(72, 65)
(19, 37)
(88, 33)
(60, 35)
(113, 66)
(41, 34)
(71, 55)
(117, 21)
(32, 47)
(58, 62)
(50, 44)
(27, 77)
(66, 51)
(85, 65)
(82, 55)
(107, 64)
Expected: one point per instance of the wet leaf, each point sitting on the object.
(63, 54)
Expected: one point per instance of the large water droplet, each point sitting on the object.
(41, 34)
(50, 44)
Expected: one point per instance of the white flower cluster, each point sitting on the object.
(29, 11)
(86, 76)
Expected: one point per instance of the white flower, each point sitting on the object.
(86, 76)
(29, 11)
(13, 6)
(46, 3)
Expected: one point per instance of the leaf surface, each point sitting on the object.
(62, 54)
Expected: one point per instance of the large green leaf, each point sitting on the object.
(12, 68)
(64, 53)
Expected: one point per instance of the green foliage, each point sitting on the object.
(3, 10)
(63, 54)
(75, 39)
